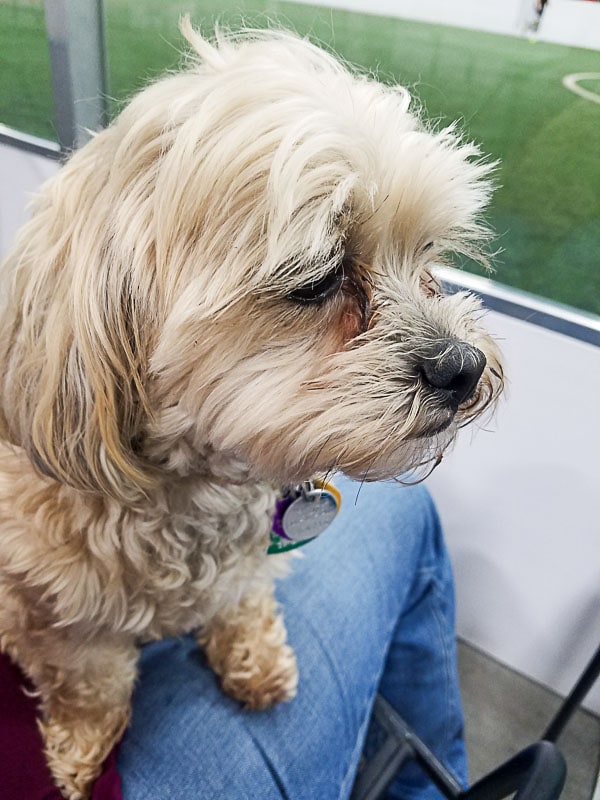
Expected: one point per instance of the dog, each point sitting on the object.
(228, 290)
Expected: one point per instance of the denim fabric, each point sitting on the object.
(368, 608)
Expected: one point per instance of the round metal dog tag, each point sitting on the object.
(310, 514)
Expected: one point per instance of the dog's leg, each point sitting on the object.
(85, 692)
(248, 651)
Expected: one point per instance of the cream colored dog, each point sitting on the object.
(227, 290)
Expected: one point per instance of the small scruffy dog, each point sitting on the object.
(226, 291)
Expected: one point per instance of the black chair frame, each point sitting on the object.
(536, 773)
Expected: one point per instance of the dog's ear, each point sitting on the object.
(73, 343)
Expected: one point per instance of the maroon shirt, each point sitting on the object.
(24, 774)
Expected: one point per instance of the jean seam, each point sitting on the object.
(431, 575)
(438, 615)
(349, 775)
(269, 765)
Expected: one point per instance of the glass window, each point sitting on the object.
(25, 85)
(507, 91)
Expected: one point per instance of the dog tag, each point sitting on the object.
(311, 512)
(302, 514)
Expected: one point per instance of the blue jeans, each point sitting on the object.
(369, 608)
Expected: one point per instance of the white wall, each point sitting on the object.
(520, 502)
(20, 175)
(571, 22)
(499, 16)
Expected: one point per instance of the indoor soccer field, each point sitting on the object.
(507, 92)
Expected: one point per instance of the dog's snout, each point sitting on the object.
(453, 368)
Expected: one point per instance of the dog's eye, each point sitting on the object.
(318, 292)
(429, 285)
(427, 247)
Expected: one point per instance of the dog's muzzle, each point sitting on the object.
(452, 370)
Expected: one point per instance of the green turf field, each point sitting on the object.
(506, 91)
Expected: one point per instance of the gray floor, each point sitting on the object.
(505, 712)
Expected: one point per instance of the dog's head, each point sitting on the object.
(241, 265)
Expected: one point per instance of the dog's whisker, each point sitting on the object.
(358, 491)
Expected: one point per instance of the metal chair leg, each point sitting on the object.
(536, 773)
(572, 701)
(400, 745)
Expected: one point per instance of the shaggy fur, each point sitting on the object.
(161, 373)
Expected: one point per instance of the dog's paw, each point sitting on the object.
(248, 651)
(260, 680)
(73, 764)
(75, 754)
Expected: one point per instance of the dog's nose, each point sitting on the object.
(453, 368)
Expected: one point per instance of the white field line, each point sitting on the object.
(571, 82)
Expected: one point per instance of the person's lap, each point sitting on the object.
(369, 602)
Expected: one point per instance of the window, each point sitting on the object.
(508, 91)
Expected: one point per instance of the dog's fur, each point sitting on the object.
(159, 382)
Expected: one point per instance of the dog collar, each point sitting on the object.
(302, 514)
